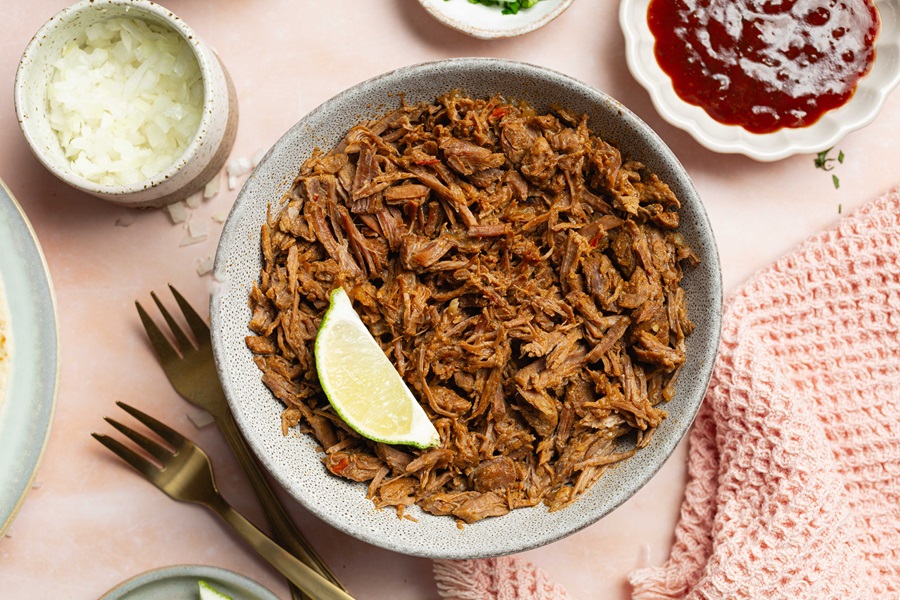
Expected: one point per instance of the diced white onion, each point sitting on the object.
(238, 167)
(205, 266)
(212, 187)
(177, 212)
(197, 229)
(125, 100)
(193, 201)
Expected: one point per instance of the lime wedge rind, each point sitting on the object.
(362, 385)
(208, 592)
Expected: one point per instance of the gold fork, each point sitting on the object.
(185, 474)
(192, 371)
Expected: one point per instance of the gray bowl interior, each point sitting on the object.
(293, 459)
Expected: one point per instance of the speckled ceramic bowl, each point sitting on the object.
(205, 154)
(294, 460)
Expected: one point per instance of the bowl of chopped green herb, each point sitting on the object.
(491, 19)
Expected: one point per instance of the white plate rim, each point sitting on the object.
(487, 23)
(871, 94)
(32, 305)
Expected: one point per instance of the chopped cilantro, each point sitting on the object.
(823, 161)
(510, 7)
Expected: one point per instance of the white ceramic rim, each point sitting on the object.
(863, 107)
(177, 25)
(473, 21)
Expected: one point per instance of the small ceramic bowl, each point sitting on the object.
(203, 157)
(488, 22)
(863, 107)
(294, 459)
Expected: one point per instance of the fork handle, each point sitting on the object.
(310, 582)
(283, 528)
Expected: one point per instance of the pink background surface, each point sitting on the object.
(91, 523)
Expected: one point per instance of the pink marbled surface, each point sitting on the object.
(91, 523)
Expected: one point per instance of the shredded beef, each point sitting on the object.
(522, 276)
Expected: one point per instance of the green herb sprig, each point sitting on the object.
(826, 163)
(510, 7)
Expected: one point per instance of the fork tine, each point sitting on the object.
(198, 326)
(161, 345)
(134, 459)
(151, 447)
(163, 431)
(180, 337)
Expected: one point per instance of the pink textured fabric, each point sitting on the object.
(794, 459)
(505, 578)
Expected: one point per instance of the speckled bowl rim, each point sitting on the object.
(70, 12)
(870, 96)
(530, 21)
(294, 461)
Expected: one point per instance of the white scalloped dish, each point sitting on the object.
(863, 107)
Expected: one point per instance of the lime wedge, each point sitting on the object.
(361, 383)
(208, 592)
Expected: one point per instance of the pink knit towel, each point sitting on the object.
(794, 459)
(504, 578)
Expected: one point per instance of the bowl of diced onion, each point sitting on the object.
(122, 100)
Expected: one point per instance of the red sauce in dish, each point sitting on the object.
(765, 64)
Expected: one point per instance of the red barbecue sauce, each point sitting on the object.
(765, 64)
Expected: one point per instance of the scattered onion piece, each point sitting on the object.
(212, 187)
(197, 229)
(205, 266)
(193, 201)
(188, 240)
(177, 212)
